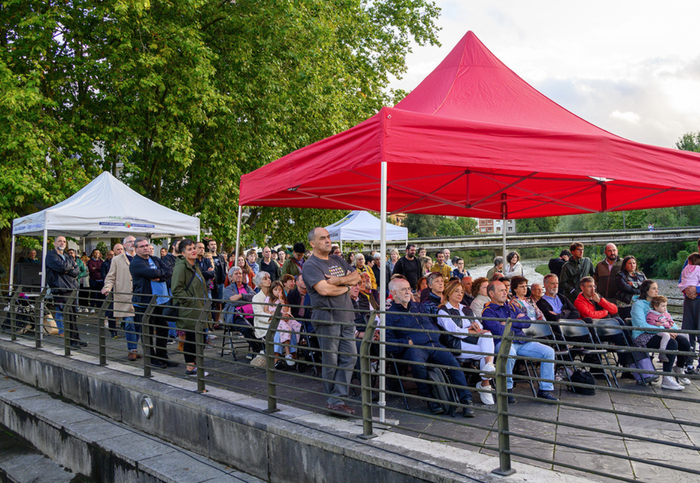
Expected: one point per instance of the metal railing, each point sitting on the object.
(616, 430)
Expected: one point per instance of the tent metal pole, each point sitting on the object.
(12, 262)
(341, 245)
(504, 236)
(382, 299)
(42, 309)
(238, 234)
(504, 228)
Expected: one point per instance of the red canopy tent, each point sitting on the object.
(474, 139)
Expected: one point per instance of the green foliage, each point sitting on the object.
(422, 226)
(537, 225)
(428, 226)
(689, 142)
(187, 96)
(448, 228)
(542, 269)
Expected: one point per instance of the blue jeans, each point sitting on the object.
(535, 350)
(133, 332)
(58, 317)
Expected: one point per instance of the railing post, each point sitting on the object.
(67, 311)
(13, 313)
(270, 360)
(504, 468)
(101, 330)
(199, 345)
(146, 341)
(366, 379)
(39, 321)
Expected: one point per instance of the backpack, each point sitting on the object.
(447, 395)
(583, 377)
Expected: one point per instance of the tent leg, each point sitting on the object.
(505, 229)
(12, 262)
(341, 246)
(42, 309)
(238, 234)
(382, 299)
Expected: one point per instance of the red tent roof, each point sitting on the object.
(473, 135)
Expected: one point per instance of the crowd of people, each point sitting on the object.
(433, 303)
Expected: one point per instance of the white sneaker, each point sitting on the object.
(211, 337)
(486, 397)
(681, 379)
(289, 360)
(489, 367)
(670, 383)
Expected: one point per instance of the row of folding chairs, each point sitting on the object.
(575, 331)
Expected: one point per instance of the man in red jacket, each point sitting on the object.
(590, 304)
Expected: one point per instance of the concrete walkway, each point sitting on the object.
(681, 409)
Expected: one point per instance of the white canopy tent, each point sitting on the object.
(360, 226)
(105, 207)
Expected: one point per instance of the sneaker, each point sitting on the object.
(511, 398)
(489, 367)
(211, 337)
(486, 394)
(681, 380)
(691, 370)
(341, 409)
(670, 383)
(92, 311)
(193, 372)
(289, 360)
(546, 395)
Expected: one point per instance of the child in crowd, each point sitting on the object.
(659, 316)
(288, 328)
(690, 276)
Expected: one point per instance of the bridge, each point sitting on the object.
(521, 240)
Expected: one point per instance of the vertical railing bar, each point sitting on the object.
(270, 360)
(504, 457)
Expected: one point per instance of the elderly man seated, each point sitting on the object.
(423, 345)
(499, 308)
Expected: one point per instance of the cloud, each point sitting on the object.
(629, 116)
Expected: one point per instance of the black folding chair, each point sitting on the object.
(603, 328)
(579, 332)
(395, 362)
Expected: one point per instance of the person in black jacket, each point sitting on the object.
(409, 266)
(62, 277)
(220, 270)
(149, 275)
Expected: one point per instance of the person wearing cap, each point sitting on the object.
(294, 264)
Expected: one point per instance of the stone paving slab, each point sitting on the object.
(251, 382)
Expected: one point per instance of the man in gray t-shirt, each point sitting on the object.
(328, 279)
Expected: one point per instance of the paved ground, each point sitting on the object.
(589, 413)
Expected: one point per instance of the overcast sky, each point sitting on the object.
(630, 67)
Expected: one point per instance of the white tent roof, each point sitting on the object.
(107, 207)
(360, 225)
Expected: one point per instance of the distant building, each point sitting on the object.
(488, 226)
(397, 219)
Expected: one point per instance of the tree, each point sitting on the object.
(689, 142)
(422, 226)
(538, 225)
(189, 95)
(447, 227)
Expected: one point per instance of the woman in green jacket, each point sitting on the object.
(189, 292)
